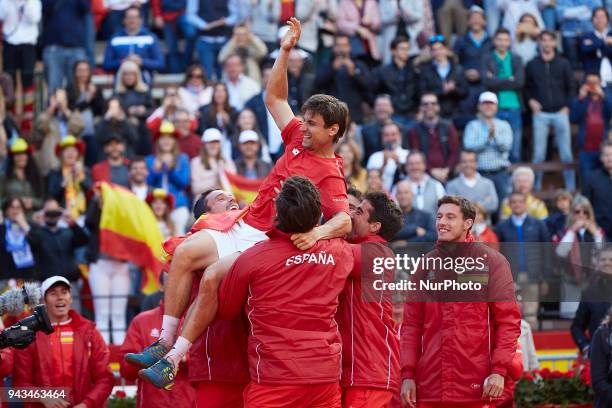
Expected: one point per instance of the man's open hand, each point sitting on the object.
(493, 386)
(408, 393)
(292, 36)
(305, 240)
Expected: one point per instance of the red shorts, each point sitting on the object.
(363, 397)
(292, 396)
(219, 395)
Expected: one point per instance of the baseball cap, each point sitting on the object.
(488, 97)
(248, 136)
(211, 135)
(476, 9)
(49, 282)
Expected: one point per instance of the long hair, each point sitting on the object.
(580, 201)
(212, 111)
(206, 159)
(176, 151)
(356, 165)
(31, 173)
(195, 67)
(140, 86)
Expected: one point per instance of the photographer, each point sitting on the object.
(601, 356)
(73, 357)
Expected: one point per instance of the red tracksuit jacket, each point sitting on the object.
(370, 340)
(144, 330)
(291, 300)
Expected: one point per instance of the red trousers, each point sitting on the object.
(292, 396)
(363, 397)
(219, 395)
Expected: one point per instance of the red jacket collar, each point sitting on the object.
(368, 238)
(276, 233)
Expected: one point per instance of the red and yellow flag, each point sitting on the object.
(244, 189)
(129, 232)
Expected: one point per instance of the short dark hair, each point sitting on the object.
(468, 210)
(355, 193)
(298, 206)
(332, 110)
(598, 9)
(399, 40)
(501, 30)
(386, 212)
(137, 159)
(9, 201)
(133, 8)
(201, 204)
(517, 193)
(550, 33)
(468, 151)
(341, 35)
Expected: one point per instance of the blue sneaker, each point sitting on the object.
(160, 374)
(149, 356)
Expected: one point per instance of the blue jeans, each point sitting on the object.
(177, 64)
(513, 117)
(560, 121)
(208, 53)
(501, 179)
(493, 15)
(571, 51)
(588, 161)
(59, 62)
(549, 15)
(90, 39)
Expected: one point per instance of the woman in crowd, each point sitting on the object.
(558, 218)
(70, 184)
(247, 120)
(207, 169)
(360, 19)
(162, 204)
(219, 113)
(526, 44)
(169, 169)
(522, 181)
(16, 254)
(482, 230)
(601, 356)
(354, 174)
(21, 178)
(195, 91)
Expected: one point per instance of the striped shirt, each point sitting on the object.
(492, 153)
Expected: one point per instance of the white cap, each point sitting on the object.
(476, 9)
(211, 135)
(248, 136)
(47, 283)
(488, 97)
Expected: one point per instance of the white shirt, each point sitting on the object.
(140, 191)
(418, 190)
(377, 159)
(605, 70)
(241, 91)
(275, 140)
(20, 20)
(470, 182)
(518, 220)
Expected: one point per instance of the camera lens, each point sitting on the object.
(53, 213)
(38, 321)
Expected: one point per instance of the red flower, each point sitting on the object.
(569, 374)
(545, 373)
(121, 394)
(556, 374)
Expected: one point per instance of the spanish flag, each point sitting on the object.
(129, 232)
(244, 189)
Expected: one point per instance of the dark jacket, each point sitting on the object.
(537, 259)
(402, 84)
(92, 222)
(132, 97)
(601, 363)
(440, 145)
(206, 121)
(597, 189)
(592, 309)
(55, 185)
(593, 49)
(412, 220)
(64, 22)
(123, 128)
(261, 168)
(300, 89)
(372, 142)
(490, 72)
(96, 104)
(8, 270)
(550, 83)
(55, 253)
(578, 114)
(430, 81)
(469, 54)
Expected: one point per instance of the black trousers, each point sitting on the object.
(22, 58)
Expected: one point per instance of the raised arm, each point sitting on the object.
(277, 89)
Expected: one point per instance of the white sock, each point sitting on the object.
(168, 331)
(176, 354)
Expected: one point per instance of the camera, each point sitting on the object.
(53, 213)
(22, 333)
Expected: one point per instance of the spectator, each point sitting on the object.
(170, 17)
(436, 138)
(600, 357)
(444, 78)
(63, 39)
(374, 181)
(196, 90)
(418, 225)
(549, 90)
(169, 169)
(74, 357)
(392, 157)
(344, 77)
(134, 43)
(514, 9)
(86, 98)
(52, 127)
(219, 114)
(20, 21)
(452, 18)
(528, 350)
(372, 131)
(149, 302)
(264, 22)
(591, 110)
(400, 19)
(503, 74)
(70, 184)
(115, 121)
(250, 165)
(574, 21)
(246, 120)
(399, 79)
(115, 168)
(425, 189)
(16, 255)
(557, 220)
(491, 139)
(529, 264)
(214, 20)
(522, 182)
(138, 173)
(525, 44)
(21, 178)
(471, 185)
(354, 174)
(184, 126)
(56, 240)
(360, 20)
(597, 189)
(300, 82)
(133, 93)
(596, 47)
(248, 47)
(482, 230)
(162, 204)
(207, 169)
(164, 113)
(576, 246)
(240, 87)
